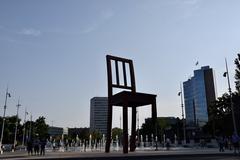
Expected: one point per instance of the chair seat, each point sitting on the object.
(132, 99)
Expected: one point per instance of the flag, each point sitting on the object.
(179, 93)
(224, 74)
(196, 63)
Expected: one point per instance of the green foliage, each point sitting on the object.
(220, 115)
(40, 128)
(9, 129)
(96, 135)
(116, 132)
(237, 73)
(220, 112)
(165, 125)
(147, 127)
(84, 134)
(220, 107)
(162, 125)
(220, 121)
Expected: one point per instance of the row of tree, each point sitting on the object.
(220, 111)
(37, 128)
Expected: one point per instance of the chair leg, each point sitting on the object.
(109, 128)
(154, 111)
(125, 129)
(133, 135)
(154, 118)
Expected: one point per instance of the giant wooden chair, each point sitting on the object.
(127, 98)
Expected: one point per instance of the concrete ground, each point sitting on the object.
(180, 154)
(174, 154)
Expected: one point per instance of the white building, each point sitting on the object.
(98, 114)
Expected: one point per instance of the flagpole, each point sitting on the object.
(138, 138)
(4, 112)
(184, 127)
(120, 122)
(15, 135)
(30, 130)
(24, 129)
(231, 102)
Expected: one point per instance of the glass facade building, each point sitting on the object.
(199, 93)
(98, 114)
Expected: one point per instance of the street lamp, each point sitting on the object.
(4, 112)
(24, 129)
(138, 125)
(184, 127)
(30, 130)
(226, 74)
(15, 135)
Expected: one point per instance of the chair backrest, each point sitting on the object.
(114, 62)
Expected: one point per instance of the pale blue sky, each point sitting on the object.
(52, 53)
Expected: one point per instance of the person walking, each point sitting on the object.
(42, 144)
(235, 142)
(54, 145)
(221, 143)
(29, 147)
(36, 146)
(168, 144)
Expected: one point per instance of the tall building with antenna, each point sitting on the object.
(199, 93)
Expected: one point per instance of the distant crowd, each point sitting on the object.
(36, 146)
(230, 143)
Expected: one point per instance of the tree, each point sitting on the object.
(116, 132)
(236, 96)
(41, 128)
(237, 73)
(96, 135)
(168, 126)
(220, 112)
(84, 134)
(148, 128)
(220, 117)
(9, 129)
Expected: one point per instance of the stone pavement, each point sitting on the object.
(171, 154)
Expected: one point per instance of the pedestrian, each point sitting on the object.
(85, 145)
(229, 143)
(54, 145)
(168, 144)
(235, 142)
(29, 147)
(13, 148)
(42, 144)
(226, 142)
(66, 144)
(1, 152)
(36, 144)
(220, 140)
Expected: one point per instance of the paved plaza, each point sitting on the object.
(179, 154)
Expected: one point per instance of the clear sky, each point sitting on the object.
(52, 53)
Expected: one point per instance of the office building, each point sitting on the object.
(57, 131)
(199, 93)
(81, 132)
(98, 114)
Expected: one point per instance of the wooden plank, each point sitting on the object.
(124, 74)
(117, 72)
(121, 86)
